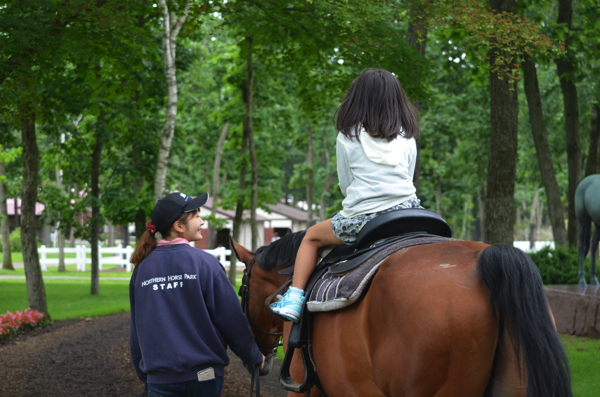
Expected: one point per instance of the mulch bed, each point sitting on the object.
(90, 357)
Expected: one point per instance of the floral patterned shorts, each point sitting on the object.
(347, 229)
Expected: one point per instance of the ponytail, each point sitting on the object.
(145, 246)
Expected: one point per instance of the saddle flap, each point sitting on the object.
(403, 221)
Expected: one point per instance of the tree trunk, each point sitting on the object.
(110, 234)
(60, 238)
(171, 28)
(417, 37)
(95, 221)
(329, 178)
(538, 130)
(253, 160)
(239, 208)
(125, 234)
(33, 273)
(311, 178)
(438, 196)
(217, 165)
(140, 227)
(566, 71)
(46, 235)
(502, 158)
(212, 230)
(7, 263)
(533, 225)
(463, 231)
(593, 161)
(481, 201)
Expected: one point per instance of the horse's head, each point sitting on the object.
(261, 280)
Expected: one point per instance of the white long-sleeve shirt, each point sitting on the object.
(375, 174)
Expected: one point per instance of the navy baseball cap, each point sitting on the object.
(171, 207)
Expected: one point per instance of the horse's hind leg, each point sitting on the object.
(585, 231)
(595, 242)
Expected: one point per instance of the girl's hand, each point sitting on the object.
(263, 363)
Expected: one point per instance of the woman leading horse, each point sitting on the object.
(453, 319)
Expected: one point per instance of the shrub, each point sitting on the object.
(559, 266)
(15, 240)
(12, 324)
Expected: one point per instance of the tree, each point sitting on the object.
(502, 158)
(566, 70)
(172, 25)
(538, 130)
(33, 272)
(6, 157)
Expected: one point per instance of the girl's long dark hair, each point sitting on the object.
(377, 103)
(148, 242)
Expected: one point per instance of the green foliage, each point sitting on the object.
(559, 266)
(15, 240)
(214, 221)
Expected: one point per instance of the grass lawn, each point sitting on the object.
(70, 298)
(16, 256)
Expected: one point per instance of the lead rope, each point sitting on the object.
(255, 375)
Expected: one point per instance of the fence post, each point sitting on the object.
(43, 259)
(82, 257)
(128, 253)
(99, 257)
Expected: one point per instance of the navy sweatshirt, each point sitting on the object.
(184, 314)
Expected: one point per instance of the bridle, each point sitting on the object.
(244, 293)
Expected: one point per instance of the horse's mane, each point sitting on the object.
(281, 252)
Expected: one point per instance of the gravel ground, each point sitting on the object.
(91, 358)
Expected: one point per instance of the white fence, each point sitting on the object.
(538, 245)
(120, 256)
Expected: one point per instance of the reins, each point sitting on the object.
(245, 307)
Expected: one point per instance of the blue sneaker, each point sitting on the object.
(290, 305)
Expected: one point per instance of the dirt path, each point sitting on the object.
(91, 358)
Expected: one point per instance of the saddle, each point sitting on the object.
(381, 237)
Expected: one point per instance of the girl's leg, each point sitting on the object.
(317, 236)
(291, 304)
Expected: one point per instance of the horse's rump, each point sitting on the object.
(424, 326)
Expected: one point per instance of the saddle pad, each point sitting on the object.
(335, 291)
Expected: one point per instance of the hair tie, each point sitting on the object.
(151, 227)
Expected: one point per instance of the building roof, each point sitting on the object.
(231, 214)
(10, 207)
(292, 213)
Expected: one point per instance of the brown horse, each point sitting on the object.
(453, 319)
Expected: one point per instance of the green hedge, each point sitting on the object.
(15, 240)
(560, 265)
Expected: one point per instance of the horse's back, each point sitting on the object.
(586, 198)
(424, 328)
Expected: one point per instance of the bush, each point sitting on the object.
(12, 324)
(559, 266)
(15, 240)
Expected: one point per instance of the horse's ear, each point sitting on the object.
(241, 253)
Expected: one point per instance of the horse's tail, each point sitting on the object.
(518, 299)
